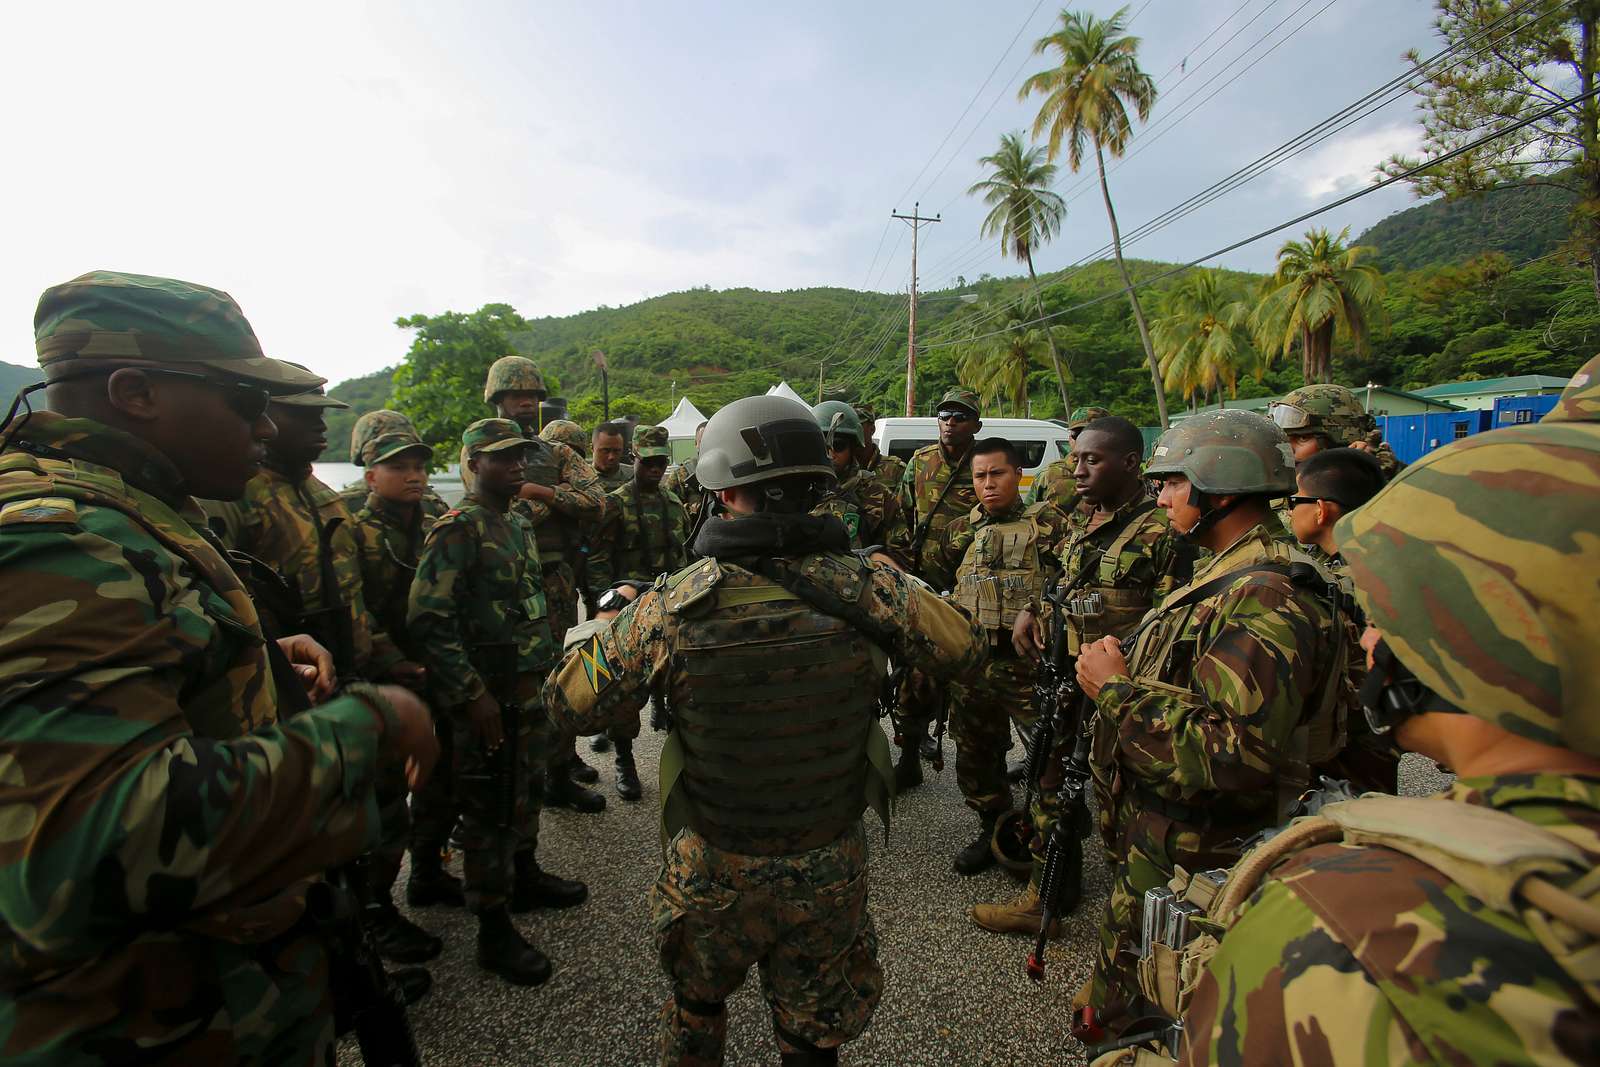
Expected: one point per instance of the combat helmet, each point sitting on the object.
(1226, 452)
(1477, 562)
(759, 438)
(373, 425)
(1330, 410)
(512, 374)
(1580, 400)
(837, 417)
(567, 432)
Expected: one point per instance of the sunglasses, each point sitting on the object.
(956, 415)
(1296, 501)
(249, 402)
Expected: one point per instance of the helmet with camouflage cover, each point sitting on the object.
(373, 425)
(1084, 416)
(568, 433)
(837, 417)
(759, 438)
(1226, 452)
(512, 374)
(1477, 562)
(1330, 410)
(1580, 400)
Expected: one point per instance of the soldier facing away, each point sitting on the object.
(771, 652)
(683, 482)
(145, 716)
(1462, 928)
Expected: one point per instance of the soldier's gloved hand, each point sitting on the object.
(413, 739)
(313, 663)
(484, 715)
(1098, 663)
(1027, 636)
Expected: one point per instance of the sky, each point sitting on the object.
(338, 165)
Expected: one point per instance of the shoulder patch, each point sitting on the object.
(40, 511)
(841, 575)
(596, 667)
(692, 584)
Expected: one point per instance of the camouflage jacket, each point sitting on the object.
(681, 481)
(889, 470)
(390, 538)
(478, 582)
(1137, 568)
(140, 732)
(288, 523)
(1216, 690)
(579, 497)
(942, 557)
(920, 489)
(1361, 954)
(1057, 484)
(870, 512)
(354, 497)
(643, 537)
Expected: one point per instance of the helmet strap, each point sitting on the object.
(1210, 514)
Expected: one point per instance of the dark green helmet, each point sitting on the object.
(837, 417)
(760, 438)
(1226, 452)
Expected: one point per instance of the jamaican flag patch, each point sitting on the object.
(596, 667)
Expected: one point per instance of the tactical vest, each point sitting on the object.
(1501, 860)
(1001, 573)
(557, 536)
(1106, 606)
(776, 748)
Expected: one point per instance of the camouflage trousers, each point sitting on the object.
(981, 713)
(487, 847)
(801, 919)
(394, 817)
(433, 807)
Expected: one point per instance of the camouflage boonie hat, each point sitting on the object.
(1478, 563)
(375, 424)
(1224, 452)
(567, 432)
(962, 397)
(493, 435)
(310, 398)
(1084, 416)
(1580, 400)
(112, 317)
(651, 441)
(1331, 410)
(512, 374)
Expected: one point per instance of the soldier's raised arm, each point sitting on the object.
(607, 679)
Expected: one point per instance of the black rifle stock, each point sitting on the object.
(1063, 857)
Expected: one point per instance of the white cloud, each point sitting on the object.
(1348, 161)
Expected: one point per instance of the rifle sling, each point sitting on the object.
(927, 524)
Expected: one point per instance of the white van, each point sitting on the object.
(1040, 441)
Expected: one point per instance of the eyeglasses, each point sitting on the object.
(249, 402)
(956, 415)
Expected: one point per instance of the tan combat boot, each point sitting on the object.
(1019, 916)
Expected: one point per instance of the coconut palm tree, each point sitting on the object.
(1320, 287)
(1086, 102)
(1024, 213)
(998, 368)
(1201, 336)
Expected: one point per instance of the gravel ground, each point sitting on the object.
(954, 994)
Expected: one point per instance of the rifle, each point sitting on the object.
(498, 662)
(1064, 851)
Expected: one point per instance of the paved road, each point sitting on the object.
(955, 994)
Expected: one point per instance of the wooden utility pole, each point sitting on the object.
(916, 220)
(605, 384)
(820, 365)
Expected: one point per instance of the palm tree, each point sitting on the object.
(1025, 213)
(1086, 102)
(1320, 286)
(1201, 336)
(998, 370)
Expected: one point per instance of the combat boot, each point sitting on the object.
(561, 791)
(628, 787)
(908, 771)
(430, 883)
(503, 951)
(580, 771)
(978, 855)
(1021, 916)
(398, 938)
(532, 887)
(600, 743)
(413, 983)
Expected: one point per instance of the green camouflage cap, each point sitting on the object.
(1478, 563)
(1084, 416)
(376, 424)
(389, 445)
(1224, 452)
(835, 416)
(964, 397)
(112, 317)
(866, 413)
(1580, 400)
(1331, 410)
(512, 374)
(310, 398)
(567, 432)
(651, 441)
(493, 435)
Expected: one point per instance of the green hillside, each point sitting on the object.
(367, 393)
(13, 378)
(1522, 221)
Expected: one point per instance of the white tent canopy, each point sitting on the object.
(782, 389)
(684, 420)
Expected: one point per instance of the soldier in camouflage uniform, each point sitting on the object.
(1206, 728)
(1057, 483)
(889, 470)
(869, 510)
(995, 560)
(478, 586)
(372, 425)
(1120, 559)
(146, 728)
(936, 490)
(1330, 416)
(1479, 593)
(566, 432)
(682, 482)
(766, 861)
(609, 443)
(559, 493)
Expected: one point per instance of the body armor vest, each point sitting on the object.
(1106, 605)
(774, 703)
(1001, 573)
